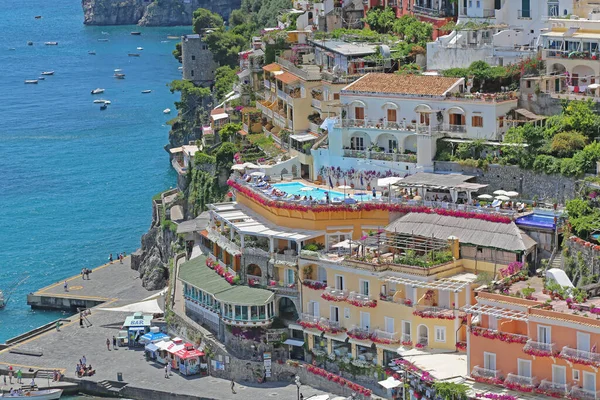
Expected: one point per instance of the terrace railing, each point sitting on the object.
(583, 394)
(485, 372)
(575, 355)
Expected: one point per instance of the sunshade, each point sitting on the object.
(485, 196)
(500, 192)
(503, 198)
(511, 194)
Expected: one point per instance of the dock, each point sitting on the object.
(107, 283)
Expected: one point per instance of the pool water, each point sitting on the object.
(318, 193)
(537, 220)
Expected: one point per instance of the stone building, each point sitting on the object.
(198, 63)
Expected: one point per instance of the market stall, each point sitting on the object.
(189, 359)
(122, 339)
(162, 355)
(137, 325)
(155, 335)
(174, 346)
(151, 351)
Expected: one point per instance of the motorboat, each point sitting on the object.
(134, 54)
(103, 40)
(100, 101)
(47, 394)
(104, 106)
(2, 303)
(31, 81)
(107, 102)
(167, 111)
(30, 43)
(119, 76)
(173, 37)
(51, 43)
(140, 48)
(97, 91)
(38, 17)
(180, 68)
(118, 70)
(92, 52)
(146, 91)
(48, 73)
(136, 33)
(41, 78)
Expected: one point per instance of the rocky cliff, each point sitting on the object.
(150, 13)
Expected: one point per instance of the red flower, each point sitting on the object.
(314, 284)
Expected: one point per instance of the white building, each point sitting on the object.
(499, 32)
(392, 121)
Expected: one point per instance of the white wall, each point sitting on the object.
(440, 57)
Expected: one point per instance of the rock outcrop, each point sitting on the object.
(150, 13)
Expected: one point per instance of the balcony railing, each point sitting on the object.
(522, 381)
(485, 373)
(496, 334)
(385, 337)
(359, 300)
(330, 326)
(539, 348)
(583, 394)
(289, 258)
(374, 155)
(558, 388)
(307, 75)
(339, 295)
(434, 312)
(360, 333)
(316, 103)
(279, 120)
(245, 127)
(308, 320)
(281, 94)
(405, 338)
(267, 84)
(429, 11)
(489, 13)
(313, 127)
(255, 251)
(253, 280)
(289, 124)
(374, 124)
(579, 356)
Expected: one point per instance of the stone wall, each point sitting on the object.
(197, 60)
(541, 104)
(588, 250)
(151, 13)
(528, 183)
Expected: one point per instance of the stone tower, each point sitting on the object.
(198, 64)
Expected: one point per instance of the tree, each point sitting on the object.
(224, 155)
(228, 130)
(204, 19)
(565, 144)
(380, 20)
(177, 51)
(225, 46)
(581, 116)
(412, 30)
(225, 77)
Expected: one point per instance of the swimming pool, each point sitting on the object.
(295, 188)
(537, 221)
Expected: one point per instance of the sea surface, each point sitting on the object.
(76, 182)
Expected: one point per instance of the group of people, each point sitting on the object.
(10, 375)
(85, 273)
(120, 257)
(84, 369)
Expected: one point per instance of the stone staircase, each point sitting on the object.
(557, 261)
(109, 386)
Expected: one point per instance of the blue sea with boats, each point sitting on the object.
(75, 181)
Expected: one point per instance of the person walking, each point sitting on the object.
(169, 369)
(10, 373)
(81, 319)
(87, 273)
(57, 326)
(83, 273)
(84, 360)
(108, 344)
(66, 286)
(166, 372)
(114, 342)
(120, 258)
(232, 386)
(110, 259)
(19, 376)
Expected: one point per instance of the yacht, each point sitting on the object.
(48, 73)
(140, 48)
(51, 43)
(97, 91)
(32, 81)
(167, 111)
(146, 91)
(99, 101)
(134, 54)
(48, 394)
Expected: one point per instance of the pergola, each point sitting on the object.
(494, 311)
(452, 285)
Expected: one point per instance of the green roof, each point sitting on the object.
(196, 273)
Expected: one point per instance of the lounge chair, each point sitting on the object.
(496, 203)
(287, 177)
(521, 207)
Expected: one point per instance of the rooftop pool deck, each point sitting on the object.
(537, 221)
(300, 189)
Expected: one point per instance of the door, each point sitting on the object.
(365, 320)
(334, 314)
(406, 330)
(313, 308)
(524, 368)
(389, 324)
(489, 361)
(559, 374)
(289, 277)
(589, 382)
(493, 322)
(364, 288)
(583, 341)
(544, 335)
(557, 85)
(359, 113)
(339, 282)
(391, 115)
(525, 11)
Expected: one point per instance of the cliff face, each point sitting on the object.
(155, 13)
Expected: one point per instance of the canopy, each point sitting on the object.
(500, 192)
(390, 180)
(187, 354)
(151, 347)
(485, 196)
(136, 328)
(154, 336)
(594, 86)
(303, 138)
(148, 307)
(390, 383)
(503, 198)
(238, 167)
(294, 342)
(512, 194)
(173, 347)
(344, 187)
(217, 117)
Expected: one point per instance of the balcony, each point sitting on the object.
(373, 124)
(327, 325)
(383, 156)
(539, 349)
(279, 120)
(360, 300)
(583, 394)
(334, 294)
(313, 127)
(405, 339)
(434, 312)
(315, 285)
(549, 387)
(282, 288)
(480, 372)
(384, 337)
(286, 258)
(316, 103)
(359, 333)
(308, 321)
(281, 94)
(520, 383)
(253, 280)
(267, 84)
(432, 12)
(580, 356)
(257, 252)
(496, 334)
(306, 74)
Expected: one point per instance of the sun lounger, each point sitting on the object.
(287, 177)
(497, 203)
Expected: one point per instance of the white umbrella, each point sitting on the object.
(344, 187)
(503, 198)
(485, 196)
(257, 174)
(307, 189)
(390, 180)
(511, 194)
(500, 192)
(238, 167)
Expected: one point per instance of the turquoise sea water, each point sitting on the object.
(76, 182)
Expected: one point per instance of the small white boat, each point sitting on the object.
(2, 303)
(146, 91)
(133, 54)
(180, 68)
(118, 70)
(105, 33)
(92, 52)
(31, 81)
(140, 48)
(167, 111)
(119, 76)
(107, 102)
(97, 91)
(103, 40)
(51, 43)
(173, 37)
(41, 78)
(48, 73)
(48, 394)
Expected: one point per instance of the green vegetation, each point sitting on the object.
(177, 51)
(225, 77)
(451, 390)
(407, 27)
(228, 131)
(204, 19)
(584, 217)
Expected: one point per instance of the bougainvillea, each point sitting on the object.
(461, 346)
(495, 396)
(315, 285)
(432, 314)
(339, 380)
(363, 303)
(330, 297)
(495, 335)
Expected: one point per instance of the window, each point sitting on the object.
(336, 96)
(492, 322)
(334, 313)
(313, 309)
(359, 113)
(470, 3)
(364, 287)
(524, 368)
(391, 115)
(544, 334)
(553, 10)
(406, 330)
(528, 84)
(365, 320)
(339, 282)
(583, 341)
(410, 293)
(193, 58)
(389, 324)
(424, 118)
(440, 334)
(501, 121)
(357, 143)
(289, 276)
(444, 298)
(477, 121)
(192, 72)
(575, 374)
(559, 374)
(392, 145)
(478, 4)
(489, 360)
(346, 313)
(335, 239)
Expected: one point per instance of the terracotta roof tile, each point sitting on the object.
(272, 67)
(287, 77)
(403, 84)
